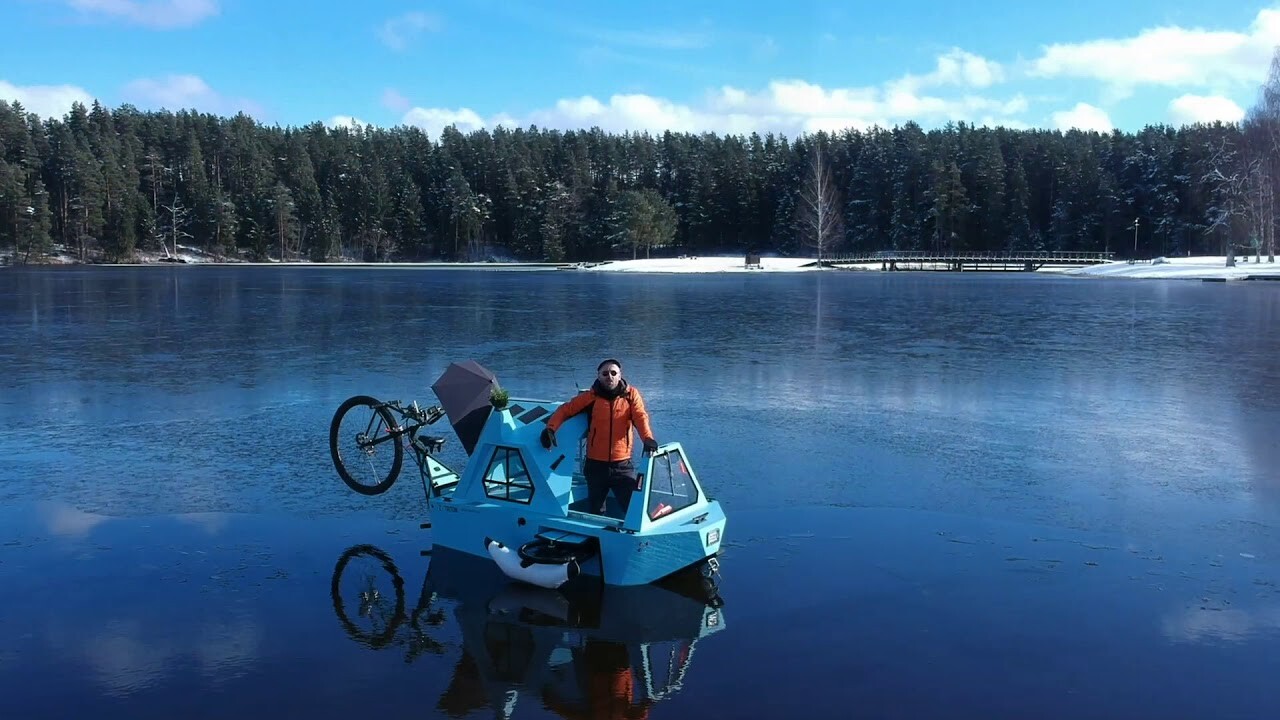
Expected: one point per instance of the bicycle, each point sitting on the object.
(559, 644)
(384, 615)
(381, 430)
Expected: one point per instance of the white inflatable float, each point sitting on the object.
(547, 575)
(516, 598)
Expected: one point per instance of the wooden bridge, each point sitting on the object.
(1025, 261)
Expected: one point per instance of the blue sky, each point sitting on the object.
(791, 67)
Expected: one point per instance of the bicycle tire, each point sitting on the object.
(396, 448)
(372, 640)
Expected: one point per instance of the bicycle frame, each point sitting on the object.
(421, 447)
(396, 423)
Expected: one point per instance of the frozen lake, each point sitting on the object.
(964, 495)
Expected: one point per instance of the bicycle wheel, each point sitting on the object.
(381, 614)
(368, 467)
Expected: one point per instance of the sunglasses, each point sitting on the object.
(608, 372)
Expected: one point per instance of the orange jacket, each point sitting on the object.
(609, 423)
(610, 695)
(606, 683)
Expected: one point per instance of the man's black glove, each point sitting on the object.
(650, 446)
(548, 438)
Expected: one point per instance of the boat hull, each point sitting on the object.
(620, 558)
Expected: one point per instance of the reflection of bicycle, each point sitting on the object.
(574, 649)
(374, 582)
(367, 444)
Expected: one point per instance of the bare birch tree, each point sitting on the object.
(1228, 178)
(1260, 204)
(178, 216)
(818, 208)
(286, 220)
(1262, 127)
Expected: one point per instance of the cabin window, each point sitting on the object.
(507, 478)
(670, 487)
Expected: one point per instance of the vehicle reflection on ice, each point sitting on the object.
(584, 650)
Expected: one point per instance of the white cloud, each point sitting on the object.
(1083, 117)
(433, 120)
(124, 654)
(347, 121)
(157, 14)
(1168, 56)
(66, 521)
(1192, 109)
(766, 48)
(46, 100)
(648, 39)
(1213, 622)
(393, 100)
(956, 67)
(788, 106)
(399, 31)
(960, 87)
(622, 113)
(184, 92)
(791, 107)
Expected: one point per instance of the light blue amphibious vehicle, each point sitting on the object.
(521, 505)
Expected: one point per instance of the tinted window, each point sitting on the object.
(507, 478)
(670, 488)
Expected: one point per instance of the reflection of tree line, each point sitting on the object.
(519, 638)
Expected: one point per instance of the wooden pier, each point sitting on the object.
(1024, 261)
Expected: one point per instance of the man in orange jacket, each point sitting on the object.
(614, 407)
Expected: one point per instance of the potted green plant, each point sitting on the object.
(498, 398)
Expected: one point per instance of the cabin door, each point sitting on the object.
(670, 485)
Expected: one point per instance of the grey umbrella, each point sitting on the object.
(463, 389)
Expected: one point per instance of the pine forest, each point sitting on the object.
(101, 184)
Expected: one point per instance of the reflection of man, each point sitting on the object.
(465, 693)
(607, 685)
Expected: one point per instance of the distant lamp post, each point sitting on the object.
(1135, 238)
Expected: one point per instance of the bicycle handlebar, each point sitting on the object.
(428, 416)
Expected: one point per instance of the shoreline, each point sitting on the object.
(1205, 268)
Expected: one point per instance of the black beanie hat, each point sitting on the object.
(606, 362)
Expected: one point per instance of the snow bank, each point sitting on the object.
(185, 254)
(58, 257)
(61, 255)
(1185, 268)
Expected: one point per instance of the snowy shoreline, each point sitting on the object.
(1175, 268)
(1182, 268)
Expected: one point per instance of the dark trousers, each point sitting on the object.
(618, 476)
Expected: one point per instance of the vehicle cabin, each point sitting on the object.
(513, 491)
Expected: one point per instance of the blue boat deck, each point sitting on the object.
(580, 523)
